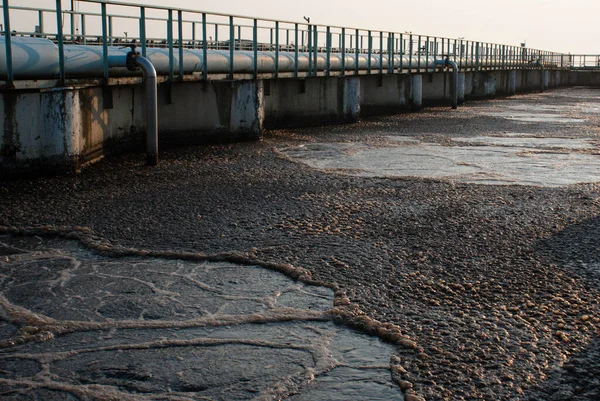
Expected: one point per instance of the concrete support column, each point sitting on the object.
(416, 92)
(247, 108)
(461, 88)
(546, 79)
(40, 128)
(351, 99)
(512, 82)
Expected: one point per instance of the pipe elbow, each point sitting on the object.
(146, 66)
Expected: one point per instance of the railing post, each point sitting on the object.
(380, 52)
(357, 53)
(170, 44)
(419, 55)
(370, 40)
(316, 42)
(180, 35)
(204, 49)
(310, 52)
(276, 49)
(193, 35)
(343, 46)
(8, 45)
(296, 50)
(410, 50)
(83, 30)
(401, 51)
(143, 30)
(255, 44)
(231, 50)
(427, 54)
(110, 28)
(61, 47)
(328, 46)
(104, 43)
(40, 21)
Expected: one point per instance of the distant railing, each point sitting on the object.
(583, 61)
(178, 29)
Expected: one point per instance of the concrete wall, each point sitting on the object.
(293, 102)
(64, 128)
(584, 78)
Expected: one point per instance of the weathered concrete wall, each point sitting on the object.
(66, 127)
(584, 78)
(294, 102)
(39, 129)
(386, 94)
(61, 129)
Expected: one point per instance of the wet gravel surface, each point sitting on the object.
(498, 285)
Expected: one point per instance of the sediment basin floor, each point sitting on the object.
(474, 231)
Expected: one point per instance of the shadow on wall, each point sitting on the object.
(577, 247)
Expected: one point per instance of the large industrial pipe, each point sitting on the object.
(449, 63)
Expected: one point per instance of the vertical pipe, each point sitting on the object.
(8, 44)
(204, 49)
(276, 49)
(296, 50)
(151, 109)
(143, 30)
(180, 35)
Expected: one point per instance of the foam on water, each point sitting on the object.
(490, 160)
(76, 323)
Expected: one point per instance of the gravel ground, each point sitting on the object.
(495, 284)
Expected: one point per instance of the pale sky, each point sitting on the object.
(555, 25)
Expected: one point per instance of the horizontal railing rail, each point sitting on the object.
(175, 29)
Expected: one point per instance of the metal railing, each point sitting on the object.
(583, 61)
(178, 29)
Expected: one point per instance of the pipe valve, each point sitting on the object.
(130, 60)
